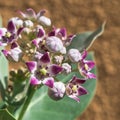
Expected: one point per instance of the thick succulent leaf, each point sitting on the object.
(3, 70)
(5, 115)
(43, 108)
(2, 91)
(84, 40)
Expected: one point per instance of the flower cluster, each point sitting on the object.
(45, 54)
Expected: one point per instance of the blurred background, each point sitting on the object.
(79, 16)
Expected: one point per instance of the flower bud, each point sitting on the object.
(63, 51)
(74, 55)
(57, 92)
(54, 44)
(58, 59)
(66, 67)
(44, 21)
(17, 21)
(27, 30)
(28, 23)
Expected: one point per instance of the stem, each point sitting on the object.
(27, 102)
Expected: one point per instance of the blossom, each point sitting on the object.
(62, 34)
(85, 67)
(29, 14)
(14, 54)
(42, 71)
(40, 35)
(59, 32)
(54, 69)
(35, 78)
(74, 88)
(9, 35)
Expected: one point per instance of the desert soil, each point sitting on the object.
(79, 16)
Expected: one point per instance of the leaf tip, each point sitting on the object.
(103, 26)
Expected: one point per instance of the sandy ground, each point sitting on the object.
(78, 16)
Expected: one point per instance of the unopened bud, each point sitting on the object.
(66, 67)
(27, 30)
(74, 55)
(58, 59)
(57, 92)
(28, 23)
(17, 21)
(63, 51)
(44, 21)
(54, 44)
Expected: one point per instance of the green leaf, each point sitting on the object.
(84, 40)
(3, 70)
(43, 108)
(3, 73)
(5, 115)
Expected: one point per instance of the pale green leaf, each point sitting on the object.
(3, 70)
(84, 40)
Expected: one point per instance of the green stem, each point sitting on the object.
(27, 102)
